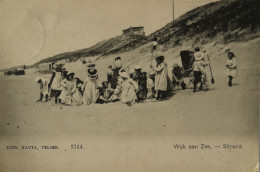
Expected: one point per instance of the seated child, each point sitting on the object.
(177, 77)
(129, 88)
(70, 94)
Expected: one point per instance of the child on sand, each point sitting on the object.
(199, 69)
(44, 90)
(70, 94)
(129, 88)
(55, 82)
(231, 66)
(160, 78)
(91, 87)
(177, 76)
(150, 85)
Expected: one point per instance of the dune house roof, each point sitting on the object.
(139, 31)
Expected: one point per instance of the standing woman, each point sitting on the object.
(91, 87)
(231, 66)
(161, 73)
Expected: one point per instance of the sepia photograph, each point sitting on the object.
(129, 85)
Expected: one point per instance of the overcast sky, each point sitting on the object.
(31, 30)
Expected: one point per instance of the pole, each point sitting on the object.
(152, 57)
(212, 79)
(172, 10)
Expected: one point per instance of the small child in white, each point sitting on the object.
(231, 66)
(44, 90)
(129, 88)
(150, 85)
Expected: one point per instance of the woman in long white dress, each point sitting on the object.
(90, 87)
(161, 73)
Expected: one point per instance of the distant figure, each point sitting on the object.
(177, 76)
(55, 82)
(70, 94)
(161, 74)
(44, 90)
(118, 66)
(91, 87)
(109, 73)
(231, 66)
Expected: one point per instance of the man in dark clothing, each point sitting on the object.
(109, 74)
(141, 79)
(118, 66)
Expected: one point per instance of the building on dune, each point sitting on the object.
(134, 31)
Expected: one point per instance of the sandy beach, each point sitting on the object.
(139, 138)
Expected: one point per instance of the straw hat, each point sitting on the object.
(137, 67)
(198, 56)
(175, 65)
(92, 73)
(231, 53)
(71, 73)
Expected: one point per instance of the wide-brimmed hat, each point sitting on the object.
(131, 71)
(198, 56)
(70, 73)
(92, 73)
(175, 65)
(118, 58)
(231, 53)
(37, 79)
(161, 58)
(137, 67)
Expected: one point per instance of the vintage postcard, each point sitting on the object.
(129, 85)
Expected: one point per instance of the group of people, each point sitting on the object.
(127, 86)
